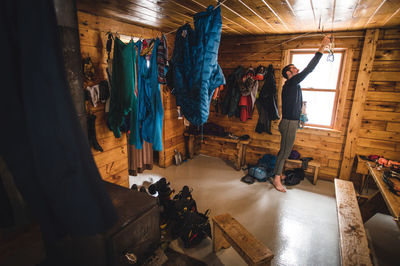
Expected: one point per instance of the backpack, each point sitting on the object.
(189, 224)
(258, 172)
(264, 168)
(294, 176)
(195, 228)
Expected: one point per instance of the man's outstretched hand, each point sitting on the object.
(325, 41)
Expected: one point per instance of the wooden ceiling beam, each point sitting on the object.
(277, 16)
(394, 14)
(229, 29)
(242, 17)
(254, 12)
(376, 10)
(224, 17)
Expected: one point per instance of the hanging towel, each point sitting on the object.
(196, 72)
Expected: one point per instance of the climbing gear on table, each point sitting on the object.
(392, 180)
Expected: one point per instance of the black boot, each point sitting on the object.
(91, 123)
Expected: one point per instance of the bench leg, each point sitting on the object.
(219, 240)
(243, 156)
(239, 155)
(315, 175)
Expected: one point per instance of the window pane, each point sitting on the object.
(325, 74)
(319, 107)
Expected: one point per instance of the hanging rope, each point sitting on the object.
(331, 56)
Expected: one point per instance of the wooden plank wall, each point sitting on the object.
(380, 127)
(113, 161)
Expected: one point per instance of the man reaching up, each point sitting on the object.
(292, 100)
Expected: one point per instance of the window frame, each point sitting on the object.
(339, 84)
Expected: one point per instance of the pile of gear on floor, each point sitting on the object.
(180, 217)
(391, 174)
(264, 170)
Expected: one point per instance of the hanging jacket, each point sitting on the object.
(162, 59)
(267, 103)
(246, 108)
(196, 72)
(150, 109)
(134, 126)
(122, 83)
(232, 95)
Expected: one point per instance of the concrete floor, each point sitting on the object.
(299, 227)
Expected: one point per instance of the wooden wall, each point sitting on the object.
(113, 161)
(380, 125)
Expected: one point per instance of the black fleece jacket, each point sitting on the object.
(292, 97)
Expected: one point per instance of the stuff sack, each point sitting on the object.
(264, 168)
(294, 176)
(259, 172)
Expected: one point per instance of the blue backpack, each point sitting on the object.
(259, 172)
(264, 168)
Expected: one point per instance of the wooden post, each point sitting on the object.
(344, 87)
(238, 163)
(364, 75)
(316, 171)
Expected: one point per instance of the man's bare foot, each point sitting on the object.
(278, 184)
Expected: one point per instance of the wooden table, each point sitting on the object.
(392, 201)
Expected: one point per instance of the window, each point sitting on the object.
(320, 88)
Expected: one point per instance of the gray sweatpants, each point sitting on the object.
(288, 129)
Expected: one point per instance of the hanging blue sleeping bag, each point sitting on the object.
(196, 73)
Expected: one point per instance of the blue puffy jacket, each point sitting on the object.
(196, 73)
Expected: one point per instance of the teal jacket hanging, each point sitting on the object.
(150, 110)
(123, 99)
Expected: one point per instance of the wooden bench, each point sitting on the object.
(239, 158)
(313, 164)
(353, 239)
(228, 231)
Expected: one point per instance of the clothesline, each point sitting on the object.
(213, 9)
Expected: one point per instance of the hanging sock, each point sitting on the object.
(91, 123)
